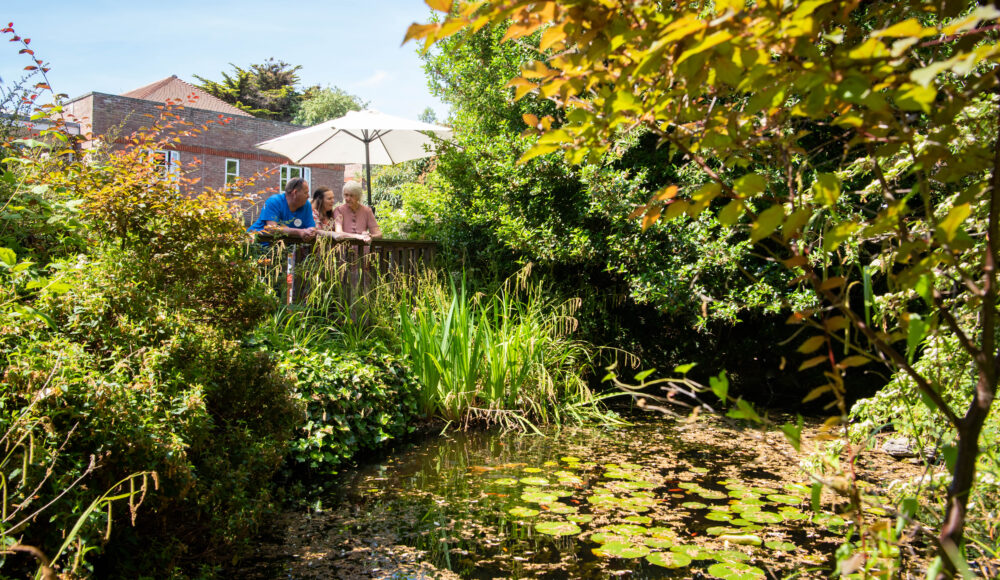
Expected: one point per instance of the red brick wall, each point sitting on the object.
(203, 156)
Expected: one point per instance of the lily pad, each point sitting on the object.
(718, 516)
(741, 539)
(628, 529)
(780, 546)
(740, 522)
(785, 498)
(607, 537)
(522, 512)
(659, 542)
(736, 571)
(637, 484)
(534, 481)
(539, 497)
(641, 520)
(531, 470)
(699, 470)
(691, 551)
(729, 556)
(621, 550)
(507, 481)
(557, 528)
(763, 517)
(722, 530)
(580, 518)
(570, 480)
(561, 508)
(711, 494)
(570, 459)
(669, 559)
(694, 505)
(551, 463)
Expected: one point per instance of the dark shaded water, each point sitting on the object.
(630, 501)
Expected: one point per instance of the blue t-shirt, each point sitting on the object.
(276, 210)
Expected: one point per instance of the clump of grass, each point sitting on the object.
(507, 358)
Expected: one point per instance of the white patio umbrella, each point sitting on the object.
(367, 137)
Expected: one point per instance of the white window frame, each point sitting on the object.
(231, 176)
(171, 162)
(288, 172)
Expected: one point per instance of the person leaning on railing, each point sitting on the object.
(323, 201)
(354, 218)
(288, 213)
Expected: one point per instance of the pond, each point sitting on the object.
(657, 499)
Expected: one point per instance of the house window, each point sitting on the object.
(167, 162)
(232, 170)
(289, 172)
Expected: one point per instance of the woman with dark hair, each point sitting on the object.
(323, 201)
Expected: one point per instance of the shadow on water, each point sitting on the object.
(587, 503)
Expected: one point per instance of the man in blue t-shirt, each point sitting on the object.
(289, 213)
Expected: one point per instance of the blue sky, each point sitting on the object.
(114, 46)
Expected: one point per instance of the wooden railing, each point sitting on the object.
(359, 263)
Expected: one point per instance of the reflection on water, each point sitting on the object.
(472, 503)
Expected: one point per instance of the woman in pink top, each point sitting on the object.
(354, 218)
(322, 204)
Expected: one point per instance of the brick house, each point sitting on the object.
(215, 156)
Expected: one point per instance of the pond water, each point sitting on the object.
(653, 500)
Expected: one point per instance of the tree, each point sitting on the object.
(855, 143)
(323, 104)
(268, 90)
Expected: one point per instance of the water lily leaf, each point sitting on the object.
(640, 520)
(621, 550)
(557, 528)
(699, 470)
(744, 506)
(570, 480)
(659, 542)
(531, 470)
(580, 518)
(722, 531)
(763, 517)
(736, 571)
(606, 537)
(669, 559)
(534, 481)
(694, 505)
(507, 481)
(570, 459)
(785, 498)
(729, 556)
(711, 494)
(551, 463)
(538, 497)
(628, 529)
(522, 512)
(740, 522)
(742, 539)
(692, 551)
(780, 546)
(561, 508)
(718, 516)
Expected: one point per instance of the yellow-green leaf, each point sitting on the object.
(853, 361)
(912, 97)
(908, 27)
(750, 184)
(652, 215)
(812, 362)
(826, 189)
(817, 392)
(767, 222)
(795, 222)
(439, 5)
(710, 41)
(676, 209)
(837, 234)
(731, 213)
(948, 227)
(812, 344)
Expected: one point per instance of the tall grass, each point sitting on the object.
(506, 358)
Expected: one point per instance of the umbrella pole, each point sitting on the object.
(368, 178)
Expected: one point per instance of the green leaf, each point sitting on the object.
(8, 256)
(793, 433)
(826, 189)
(811, 344)
(720, 385)
(795, 222)
(731, 213)
(642, 376)
(750, 184)
(767, 222)
(916, 332)
(683, 369)
(915, 97)
(948, 227)
(817, 492)
(838, 234)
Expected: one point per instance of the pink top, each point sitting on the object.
(356, 222)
